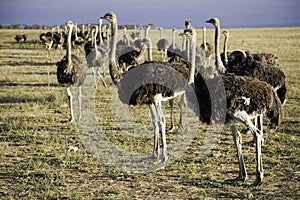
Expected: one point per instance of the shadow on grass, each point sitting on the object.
(26, 63)
(50, 98)
(5, 84)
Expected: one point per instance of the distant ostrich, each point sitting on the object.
(59, 39)
(207, 47)
(245, 98)
(95, 57)
(48, 40)
(71, 71)
(162, 45)
(173, 50)
(21, 39)
(262, 66)
(78, 41)
(139, 91)
(224, 55)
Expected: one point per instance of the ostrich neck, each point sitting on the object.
(113, 69)
(150, 50)
(173, 39)
(225, 48)
(69, 46)
(218, 60)
(204, 38)
(184, 43)
(192, 59)
(95, 39)
(100, 30)
(160, 33)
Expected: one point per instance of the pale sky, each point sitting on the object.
(164, 13)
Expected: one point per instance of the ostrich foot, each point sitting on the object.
(242, 178)
(258, 181)
(164, 159)
(171, 129)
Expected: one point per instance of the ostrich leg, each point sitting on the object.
(71, 104)
(94, 76)
(258, 137)
(172, 127)
(162, 129)
(156, 130)
(79, 101)
(237, 139)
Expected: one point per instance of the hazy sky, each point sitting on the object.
(165, 13)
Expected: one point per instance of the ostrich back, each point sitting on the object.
(140, 84)
(73, 75)
(162, 44)
(270, 74)
(227, 93)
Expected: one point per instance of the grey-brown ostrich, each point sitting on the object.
(262, 66)
(245, 98)
(71, 72)
(207, 47)
(95, 57)
(146, 84)
(162, 45)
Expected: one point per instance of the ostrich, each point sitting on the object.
(245, 98)
(95, 57)
(21, 39)
(139, 91)
(48, 40)
(224, 55)
(78, 41)
(162, 45)
(71, 71)
(207, 47)
(174, 50)
(261, 66)
(59, 39)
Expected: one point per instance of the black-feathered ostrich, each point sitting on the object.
(21, 39)
(146, 84)
(71, 72)
(245, 98)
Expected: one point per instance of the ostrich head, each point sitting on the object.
(69, 23)
(226, 33)
(189, 32)
(188, 24)
(111, 17)
(214, 21)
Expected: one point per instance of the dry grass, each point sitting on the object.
(35, 162)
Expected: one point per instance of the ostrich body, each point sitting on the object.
(145, 85)
(71, 71)
(162, 45)
(246, 98)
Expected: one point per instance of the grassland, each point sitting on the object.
(34, 134)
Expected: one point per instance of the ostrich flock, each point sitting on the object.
(249, 85)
